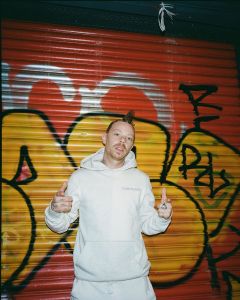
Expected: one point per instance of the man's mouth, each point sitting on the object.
(120, 148)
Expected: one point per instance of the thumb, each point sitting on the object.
(63, 187)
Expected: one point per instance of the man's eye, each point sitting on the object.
(117, 134)
(130, 139)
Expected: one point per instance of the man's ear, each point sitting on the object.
(104, 137)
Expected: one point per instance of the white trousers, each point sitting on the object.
(134, 289)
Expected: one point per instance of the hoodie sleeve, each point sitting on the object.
(151, 222)
(60, 222)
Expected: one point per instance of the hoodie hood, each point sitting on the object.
(94, 161)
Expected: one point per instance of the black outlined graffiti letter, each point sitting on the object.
(207, 90)
(207, 170)
(192, 165)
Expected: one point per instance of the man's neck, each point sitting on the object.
(112, 164)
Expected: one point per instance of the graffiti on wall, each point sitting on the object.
(52, 120)
(203, 186)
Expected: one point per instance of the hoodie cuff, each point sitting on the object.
(51, 213)
(163, 221)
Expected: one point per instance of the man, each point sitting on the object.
(115, 204)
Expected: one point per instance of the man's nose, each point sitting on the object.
(123, 139)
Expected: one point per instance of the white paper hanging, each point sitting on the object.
(161, 14)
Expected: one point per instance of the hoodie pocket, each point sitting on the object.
(113, 260)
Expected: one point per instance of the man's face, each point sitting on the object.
(118, 141)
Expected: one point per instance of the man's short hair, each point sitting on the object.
(128, 118)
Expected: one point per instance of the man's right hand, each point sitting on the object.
(60, 202)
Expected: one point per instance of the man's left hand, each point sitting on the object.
(165, 207)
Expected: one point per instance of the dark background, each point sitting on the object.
(210, 20)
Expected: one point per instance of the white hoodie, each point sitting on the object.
(114, 207)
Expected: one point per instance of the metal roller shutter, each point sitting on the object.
(61, 86)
